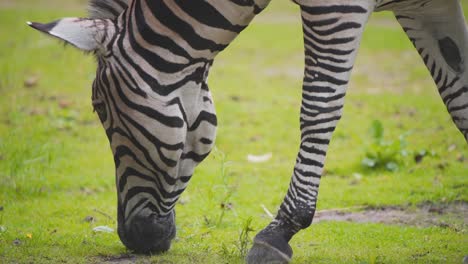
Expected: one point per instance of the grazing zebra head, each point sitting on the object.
(151, 96)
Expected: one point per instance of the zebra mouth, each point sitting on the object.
(148, 234)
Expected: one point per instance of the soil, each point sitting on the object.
(121, 259)
(451, 215)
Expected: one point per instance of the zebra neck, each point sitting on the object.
(192, 29)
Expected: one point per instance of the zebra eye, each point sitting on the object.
(100, 109)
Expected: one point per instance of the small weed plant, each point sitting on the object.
(244, 239)
(243, 243)
(382, 153)
(224, 190)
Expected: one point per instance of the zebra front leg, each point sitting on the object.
(332, 34)
(438, 31)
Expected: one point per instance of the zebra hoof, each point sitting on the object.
(263, 252)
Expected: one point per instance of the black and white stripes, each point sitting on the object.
(331, 37)
(152, 97)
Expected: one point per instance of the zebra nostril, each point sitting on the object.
(148, 233)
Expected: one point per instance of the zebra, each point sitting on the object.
(152, 98)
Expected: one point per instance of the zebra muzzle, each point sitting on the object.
(148, 233)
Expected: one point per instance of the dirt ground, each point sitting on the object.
(451, 215)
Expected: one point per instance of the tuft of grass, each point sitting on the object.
(382, 153)
(244, 243)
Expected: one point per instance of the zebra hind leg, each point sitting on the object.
(438, 31)
(332, 33)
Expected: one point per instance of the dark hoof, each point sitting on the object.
(264, 253)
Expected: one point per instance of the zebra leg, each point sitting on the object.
(332, 34)
(439, 33)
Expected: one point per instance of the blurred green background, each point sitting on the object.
(57, 172)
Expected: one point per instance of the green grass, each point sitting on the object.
(56, 167)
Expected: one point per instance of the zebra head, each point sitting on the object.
(143, 87)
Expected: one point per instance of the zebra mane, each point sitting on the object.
(110, 9)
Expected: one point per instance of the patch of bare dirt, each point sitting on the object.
(376, 73)
(285, 72)
(130, 259)
(121, 259)
(451, 215)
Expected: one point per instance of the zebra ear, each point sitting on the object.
(85, 34)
